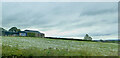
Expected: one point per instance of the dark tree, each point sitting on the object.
(14, 29)
(87, 37)
(18, 30)
(2, 29)
(101, 40)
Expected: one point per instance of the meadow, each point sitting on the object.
(33, 46)
(0, 47)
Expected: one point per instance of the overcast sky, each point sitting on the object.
(60, 0)
(64, 19)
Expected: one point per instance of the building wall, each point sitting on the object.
(37, 34)
(15, 35)
(22, 34)
(32, 34)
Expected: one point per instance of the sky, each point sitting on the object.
(64, 19)
(60, 0)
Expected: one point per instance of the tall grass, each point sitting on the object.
(30, 46)
(0, 46)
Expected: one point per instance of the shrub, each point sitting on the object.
(31, 34)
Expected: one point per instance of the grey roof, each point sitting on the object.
(8, 32)
(21, 32)
(31, 31)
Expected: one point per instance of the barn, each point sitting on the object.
(25, 33)
(8, 33)
(32, 33)
(22, 33)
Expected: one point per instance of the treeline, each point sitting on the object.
(13, 29)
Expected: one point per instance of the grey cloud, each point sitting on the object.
(104, 11)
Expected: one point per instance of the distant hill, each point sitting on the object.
(109, 41)
(62, 38)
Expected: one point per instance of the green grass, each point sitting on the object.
(0, 47)
(30, 46)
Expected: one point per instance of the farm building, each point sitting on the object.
(34, 33)
(26, 33)
(8, 33)
(22, 33)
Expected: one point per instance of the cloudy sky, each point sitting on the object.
(64, 19)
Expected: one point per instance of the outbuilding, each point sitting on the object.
(22, 33)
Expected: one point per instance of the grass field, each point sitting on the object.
(30, 46)
(0, 47)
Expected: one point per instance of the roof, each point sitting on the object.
(8, 32)
(25, 31)
(21, 32)
(31, 31)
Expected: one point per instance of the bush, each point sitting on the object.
(31, 34)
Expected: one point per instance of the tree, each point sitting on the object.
(14, 29)
(87, 37)
(2, 30)
(101, 40)
(18, 30)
